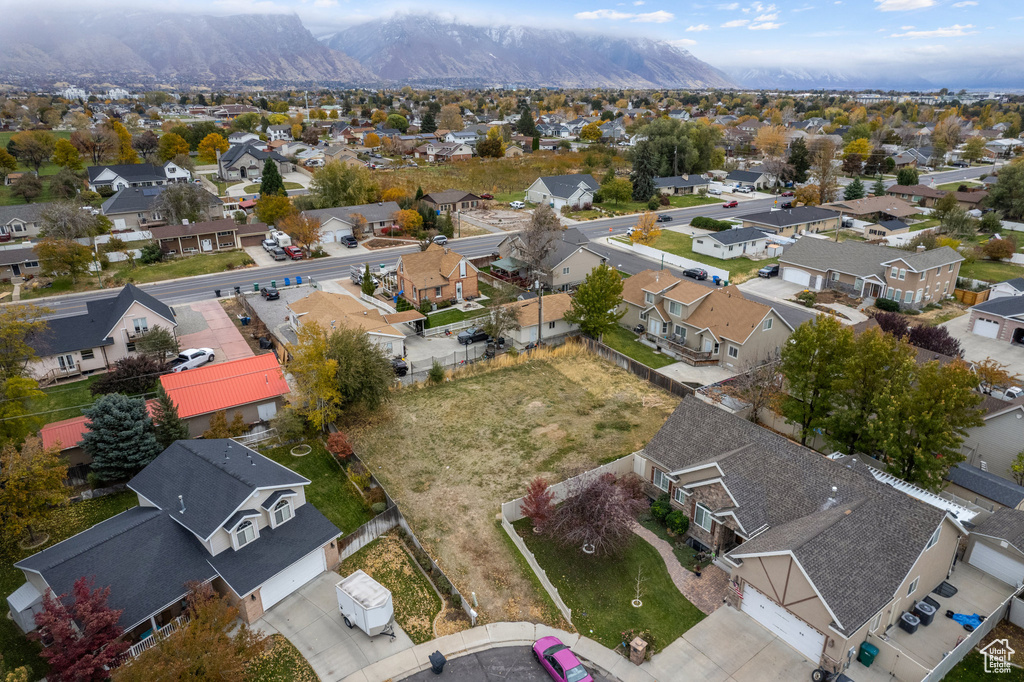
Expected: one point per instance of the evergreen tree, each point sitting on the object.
(419, 193)
(429, 124)
(594, 305)
(526, 125)
(643, 173)
(878, 189)
(272, 182)
(799, 159)
(367, 284)
(167, 425)
(855, 190)
(535, 145)
(120, 438)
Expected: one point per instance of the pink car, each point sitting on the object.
(559, 661)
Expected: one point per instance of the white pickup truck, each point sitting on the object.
(191, 358)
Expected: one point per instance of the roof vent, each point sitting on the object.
(920, 248)
(983, 465)
(182, 501)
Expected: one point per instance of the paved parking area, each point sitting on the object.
(771, 287)
(505, 664)
(260, 255)
(204, 324)
(421, 351)
(310, 619)
(978, 348)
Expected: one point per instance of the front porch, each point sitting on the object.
(675, 348)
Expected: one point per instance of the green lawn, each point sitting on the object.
(416, 603)
(914, 227)
(329, 490)
(62, 523)
(972, 669)
(453, 315)
(254, 189)
(64, 401)
(740, 269)
(991, 271)
(954, 186)
(599, 590)
(624, 341)
(281, 662)
(506, 197)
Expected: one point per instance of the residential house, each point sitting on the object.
(18, 262)
(94, 340)
(701, 325)
(553, 325)
(209, 511)
(996, 546)
(436, 274)
(246, 161)
(253, 387)
(136, 175)
(566, 266)
(462, 136)
(749, 178)
(452, 200)
(1011, 287)
(885, 228)
(331, 311)
(821, 552)
(875, 208)
(910, 158)
(869, 271)
(681, 184)
(563, 190)
(728, 244)
(340, 221)
(679, 114)
(435, 152)
(242, 137)
(792, 222)
(999, 318)
(613, 130)
(22, 221)
(228, 112)
(279, 133)
(205, 237)
(137, 208)
(1003, 148)
(514, 151)
(926, 196)
(973, 485)
(556, 130)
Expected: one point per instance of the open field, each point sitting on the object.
(625, 207)
(991, 271)
(451, 454)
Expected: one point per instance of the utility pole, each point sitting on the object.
(540, 311)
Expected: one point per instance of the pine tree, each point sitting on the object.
(429, 123)
(272, 182)
(644, 169)
(526, 125)
(799, 159)
(878, 189)
(367, 285)
(167, 425)
(855, 190)
(120, 438)
(419, 193)
(535, 145)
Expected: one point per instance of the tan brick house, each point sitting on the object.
(435, 275)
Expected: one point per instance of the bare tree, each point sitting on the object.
(823, 170)
(760, 386)
(183, 201)
(65, 220)
(503, 311)
(539, 240)
(597, 517)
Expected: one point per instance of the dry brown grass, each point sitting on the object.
(451, 454)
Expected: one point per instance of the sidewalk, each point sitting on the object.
(706, 592)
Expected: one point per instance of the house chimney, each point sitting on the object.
(182, 501)
(920, 248)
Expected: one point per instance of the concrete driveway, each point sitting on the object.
(311, 621)
(978, 348)
(771, 287)
(204, 324)
(499, 665)
(729, 646)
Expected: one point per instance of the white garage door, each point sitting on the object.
(788, 627)
(1006, 568)
(292, 578)
(327, 236)
(796, 276)
(986, 328)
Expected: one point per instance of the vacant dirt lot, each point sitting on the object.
(451, 454)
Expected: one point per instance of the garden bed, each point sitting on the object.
(382, 243)
(280, 662)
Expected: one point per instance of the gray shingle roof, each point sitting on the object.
(214, 477)
(17, 256)
(788, 488)
(141, 199)
(744, 176)
(1017, 283)
(29, 213)
(790, 216)
(681, 181)
(925, 260)
(986, 484)
(562, 186)
(892, 225)
(132, 172)
(236, 152)
(737, 236)
(450, 196)
(850, 257)
(272, 500)
(1004, 306)
(374, 213)
(1005, 524)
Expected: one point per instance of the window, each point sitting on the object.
(282, 512)
(767, 324)
(899, 295)
(679, 495)
(437, 292)
(680, 331)
(908, 297)
(675, 308)
(913, 586)
(649, 298)
(945, 288)
(140, 324)
(876, 622)
(130, 346)
(889, 293)
(31, 264)
(225, 233)
(700, 241)
(715, 351)
(734, 352)
(664, 327)
(938, 270)
(245, 533)
(702, 517)
(643, 316)
(660, 480)
(551, 325)
(920, 276)
(903, 273)
(895, 272)
(565, 271)
(834, 276)
(88, 354)
(950, 268)
(934, 538)
(730, 247)
(717, 245)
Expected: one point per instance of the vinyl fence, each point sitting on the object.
(634, 367)
(957, 654)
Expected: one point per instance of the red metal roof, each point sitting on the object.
(225, 385)
(69, 432)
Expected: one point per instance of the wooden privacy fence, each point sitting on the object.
(634, 367)
(968, 297)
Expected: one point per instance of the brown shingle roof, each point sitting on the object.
(192, 229)
(334, 310)
(555, 308)
(893, 206)
(726, 314)
(431, 268)
(650, 280)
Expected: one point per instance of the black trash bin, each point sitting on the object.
(925, 612)
(217, 292)
(238, 290)
(437, 661)
(909, 622)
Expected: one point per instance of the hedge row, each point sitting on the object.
(711, 224)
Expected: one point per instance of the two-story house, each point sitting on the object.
(699, 324)
(210, 511)
(136, 175)
(138, 208)
(94, 340)
(912, 278)
(279, 132)
(436, 152)
(246, 161)
(437, 274)
(791, 222)
(22, 221)
(563, 190)
(567, 264)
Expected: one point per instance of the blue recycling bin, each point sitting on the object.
(298, 279)
(287, 281)
(714, 278)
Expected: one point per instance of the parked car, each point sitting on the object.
(400, 366)
(191, 358)
(471, 335)
(960, 164)
(279, 254)
(714, 191)
(926, 169)
(486, 196)
(696, 273)
(559, 661)
(440, 239)
(517, 204)
(270, 293)
(269, 245)
(662, 218)
(294, 252)
(744, 190)
(731, 204)
(786, 204)
(789, 194)
(768, 271)
(349, 241)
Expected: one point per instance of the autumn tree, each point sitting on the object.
(597, 516)
(339, 184)
(83, 633)
(65, 184)
(124, 151)
(18, 397)
(875, 162)
(759, 386)
(146, 143)
(63, 258)
(617, 190)
(8, 165)
(170, 146)
(907, 177)
(167, 425)
(408, 220)
(31, 481)
(33, 147)
(273, 208)
(450, 118)
(98, 144)
(537, 503)
(213, 645)
(183, 201)
(220, 428)
(853, 164)
(28, 187)
(66, 156)
(208, 148)
(120, 437)
(371, 140)
(646, 231)
(771, 140)
(304, 230)
(861, 147)
(591, 132)
(974, 149)
(823, 170)
(595, 307)
(999, 248)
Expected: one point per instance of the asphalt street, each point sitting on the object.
(505, 664)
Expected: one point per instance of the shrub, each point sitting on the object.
(808, 298)
(598, 197)
(444, 304)
(375, 495)
(711, 224)
(888, 305)
(661, 508)
(339, 445)
(151, 253)
(93, 480)
(677, 522)
(378, 507)
(359, 474)
(436, 373)
(664, 200)
(318, 252)
(652, 204)
(424, 307)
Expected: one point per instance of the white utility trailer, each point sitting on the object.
(366, 603)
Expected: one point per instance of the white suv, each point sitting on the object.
(517, 204)
(191, 358)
